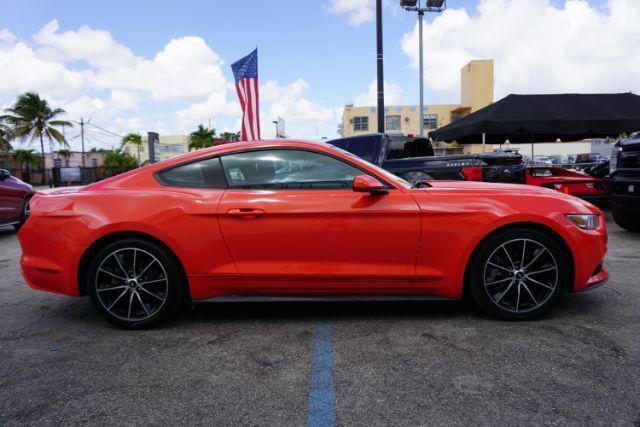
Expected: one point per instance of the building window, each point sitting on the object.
(430, 121)
(57, 163)
(393, 122)
(361, 123)
(94, 163)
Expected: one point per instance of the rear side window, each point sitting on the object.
(201, 174)
(365, 148)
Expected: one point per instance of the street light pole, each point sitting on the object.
(416, 6)
(380, 66)
(420, 18)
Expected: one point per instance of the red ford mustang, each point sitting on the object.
(569, 182)
(309, 221)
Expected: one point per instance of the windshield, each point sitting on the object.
(387, 175)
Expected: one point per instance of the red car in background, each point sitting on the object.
(306, 221)
(14, 200)
(570, 182)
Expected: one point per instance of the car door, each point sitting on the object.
(10, 198)
(292, 221)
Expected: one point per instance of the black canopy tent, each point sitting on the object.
(546, 118)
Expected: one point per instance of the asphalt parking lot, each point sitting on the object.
(367, 363)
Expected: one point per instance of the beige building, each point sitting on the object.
(170, 146)
(476, 92)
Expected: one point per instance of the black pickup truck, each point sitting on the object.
(413, 159)
(624, 181)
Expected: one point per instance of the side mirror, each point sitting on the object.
(4, 174)
(368, 184)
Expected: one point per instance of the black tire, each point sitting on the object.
(516, 293)
(152, 291)
(23, 214)
(626, 220)
(416, 176)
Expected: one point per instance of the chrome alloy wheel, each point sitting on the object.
(131, 284)
(520, 275)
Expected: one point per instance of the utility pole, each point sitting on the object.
(82, 138)
(380, 66)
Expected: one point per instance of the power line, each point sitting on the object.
(105, 130)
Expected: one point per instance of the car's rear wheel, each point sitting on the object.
(135, 283)
(518, 274)
(626, 220)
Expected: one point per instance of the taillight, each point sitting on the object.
(472, 174)
(561, 188)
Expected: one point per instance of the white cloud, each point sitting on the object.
(357, 11)
(22, 70)
(6, 36)
(96, 47)
(537, 47)
(393, 94)
(90, 74)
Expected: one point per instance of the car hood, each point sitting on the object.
(498, 191)
(17, 183)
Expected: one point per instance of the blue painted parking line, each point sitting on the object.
(321, 409)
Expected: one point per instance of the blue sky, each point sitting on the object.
(312, 53)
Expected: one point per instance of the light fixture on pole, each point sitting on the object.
(416, 6)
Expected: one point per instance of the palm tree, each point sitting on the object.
(117, 161)
(133, 139)
(31, 118)
(66, 154)
(27, 158)
(201, 138)
(5, 137)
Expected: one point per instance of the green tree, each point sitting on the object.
(5, 137)
(230, 136)
(117, 161)
(133, 139)
(27, 158)
(32, 118)
(66, 154)
(201, 138)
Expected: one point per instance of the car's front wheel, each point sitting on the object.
(518, 274)
(135, 283)
(24, 214)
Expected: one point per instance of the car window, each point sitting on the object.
(201, 174)
(365, 148)
(288, 169)
(400, 148)
(541, 172)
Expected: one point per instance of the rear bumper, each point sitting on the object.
(48, 264)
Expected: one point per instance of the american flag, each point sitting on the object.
(245, 72)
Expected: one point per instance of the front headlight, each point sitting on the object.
(586, 222)
(613, 160)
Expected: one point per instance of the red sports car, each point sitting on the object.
(569, 182)
(300, 220)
